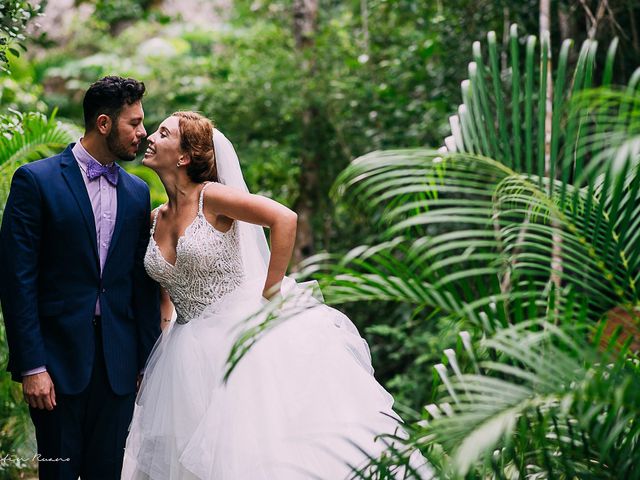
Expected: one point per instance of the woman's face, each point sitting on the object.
(164, 150)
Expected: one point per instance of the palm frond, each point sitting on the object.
(531, 235)
(26, 137)
(552, 381)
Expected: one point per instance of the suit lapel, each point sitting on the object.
(73, 176)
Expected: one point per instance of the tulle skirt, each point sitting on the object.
(302, 404)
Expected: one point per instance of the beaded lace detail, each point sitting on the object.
(208, 265)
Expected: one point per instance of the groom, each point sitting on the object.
(81, 315)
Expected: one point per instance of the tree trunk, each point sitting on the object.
(506, 23)
(593, 20)
(556, 253)
(564, 23)
(545, 28)
(305, 23)
(364, 13)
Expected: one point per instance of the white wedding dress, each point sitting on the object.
(302, 404)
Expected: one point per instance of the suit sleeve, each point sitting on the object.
(20, 237)
(146, 295)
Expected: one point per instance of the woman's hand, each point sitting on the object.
(269, 293)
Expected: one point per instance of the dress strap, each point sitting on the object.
(201, 200)
(155, 220)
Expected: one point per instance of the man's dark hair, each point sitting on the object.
(107, 96)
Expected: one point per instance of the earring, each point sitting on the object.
(179, 165)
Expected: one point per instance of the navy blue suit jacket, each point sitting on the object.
(50, 277)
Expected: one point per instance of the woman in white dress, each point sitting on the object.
(303, 402)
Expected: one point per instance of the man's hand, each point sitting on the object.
(38, 391)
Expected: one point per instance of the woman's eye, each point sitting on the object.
(162, 135)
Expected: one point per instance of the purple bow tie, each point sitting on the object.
(94, 170)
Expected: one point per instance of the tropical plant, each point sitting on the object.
(535, 400)
(17, 438)
(157, 191)
(525, 229)
(26, 137)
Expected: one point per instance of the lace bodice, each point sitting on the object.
(208, 265)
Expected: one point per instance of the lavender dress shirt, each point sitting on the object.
(104, 202)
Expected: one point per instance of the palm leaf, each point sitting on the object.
(26, 137)
(472, 230)
(552, 382)
(507, 215)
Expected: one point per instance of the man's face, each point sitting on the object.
(127, 132)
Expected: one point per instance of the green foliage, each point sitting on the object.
(21, 91)
(527, 256)
(158, 194)
(14, 16)
(17, 439)
(114, 11)
(113, 14)
(405, 346)
(26, 137)
(546, 399)
(21, 96)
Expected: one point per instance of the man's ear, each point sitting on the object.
(104, 124)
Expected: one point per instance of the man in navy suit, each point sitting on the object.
(81, 314)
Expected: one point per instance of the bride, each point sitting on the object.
(303, 402)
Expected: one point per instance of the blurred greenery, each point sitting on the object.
(14, 16)
(17, 437)
(380, 74)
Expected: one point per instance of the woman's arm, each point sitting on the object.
(166, 306)
(166, 309)
(246, 207)
(145, 295)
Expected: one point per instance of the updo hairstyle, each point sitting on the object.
(196, 140)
